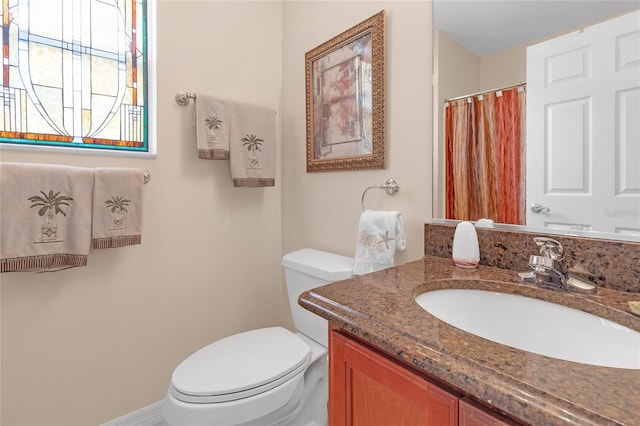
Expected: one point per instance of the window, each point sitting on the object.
(75, 74)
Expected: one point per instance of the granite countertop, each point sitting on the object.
(380, 309)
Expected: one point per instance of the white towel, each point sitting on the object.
(252, 145)
(45, 216)
(117, 207)
(380, 235)
(212, 121)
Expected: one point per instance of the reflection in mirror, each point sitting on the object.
(481, 46)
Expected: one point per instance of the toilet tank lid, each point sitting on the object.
(320, 264)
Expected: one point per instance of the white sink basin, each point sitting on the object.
(536, 326)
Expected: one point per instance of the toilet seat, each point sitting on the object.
(240, 366)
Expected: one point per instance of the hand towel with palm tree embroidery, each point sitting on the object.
(212, 127)
(252, 145)
(45, 216)
(117, 207)
(380, 235)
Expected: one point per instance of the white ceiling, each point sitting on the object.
(489, 26)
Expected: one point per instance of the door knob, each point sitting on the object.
(538, 208)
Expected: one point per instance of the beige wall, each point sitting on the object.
(87, 345)
(505, 68)
(322, 209)
(459, 70)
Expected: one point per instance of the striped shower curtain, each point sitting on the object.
(485, 146)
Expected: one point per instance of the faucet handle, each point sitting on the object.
(549, 247)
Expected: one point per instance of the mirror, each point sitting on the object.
(495, 34)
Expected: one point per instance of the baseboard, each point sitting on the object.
(151, 415)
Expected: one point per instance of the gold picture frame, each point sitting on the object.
(345, 90)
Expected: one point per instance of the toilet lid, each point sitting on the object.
(240, 366)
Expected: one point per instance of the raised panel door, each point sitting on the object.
(470, 415)
(583, 132)
(368, 389)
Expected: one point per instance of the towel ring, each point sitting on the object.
(390, 186)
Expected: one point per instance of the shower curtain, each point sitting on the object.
(485, 146)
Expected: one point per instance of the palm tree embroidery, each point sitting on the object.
(117, 204)
(51, 204)
(252, 142)
(213, 122)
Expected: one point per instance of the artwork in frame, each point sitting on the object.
(76, 75)
(345, 89)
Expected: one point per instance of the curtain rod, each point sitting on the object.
(511, 86)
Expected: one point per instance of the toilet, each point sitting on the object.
(267, 376)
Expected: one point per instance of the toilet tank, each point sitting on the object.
(306, 269)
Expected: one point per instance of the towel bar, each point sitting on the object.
(390, 186)
(183, 98)
(147, 176)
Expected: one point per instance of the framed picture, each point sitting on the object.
(346, 99)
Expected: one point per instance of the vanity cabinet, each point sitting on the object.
(369, 388)
(471, 415)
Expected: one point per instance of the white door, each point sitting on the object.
(583, 129)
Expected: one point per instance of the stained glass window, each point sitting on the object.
(75, 74)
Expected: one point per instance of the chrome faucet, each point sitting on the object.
(548, 271)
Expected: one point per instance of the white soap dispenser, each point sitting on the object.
(466, 251)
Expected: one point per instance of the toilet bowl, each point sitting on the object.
(266, 376)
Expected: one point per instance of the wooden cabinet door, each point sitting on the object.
(470, 415)
(368, 389)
